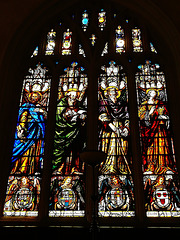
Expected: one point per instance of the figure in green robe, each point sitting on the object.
(69, 139)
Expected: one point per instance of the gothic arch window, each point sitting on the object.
(94, 83)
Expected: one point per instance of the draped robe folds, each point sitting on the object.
(156, 141)
(69, 139)
(117, 114)
(28, 152)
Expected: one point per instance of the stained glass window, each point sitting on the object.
(50, 46)
(67, 182)
(24, 183)
(35, 53)
(102, 19)
(105, 50)
(152, 48)
(87, 38)
(137, 42)
(81, 51)
(93, 39)
(161, 186)
(115, 184)
(85, 20)
(120, 40)
(67, 43)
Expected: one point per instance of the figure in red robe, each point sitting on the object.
(157, 145)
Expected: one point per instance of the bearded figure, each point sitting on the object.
(114, 122)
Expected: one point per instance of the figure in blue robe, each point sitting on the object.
(29, 140)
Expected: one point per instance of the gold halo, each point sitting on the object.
(118, 91)
(153, 89)
(71, 90)
(36, 92)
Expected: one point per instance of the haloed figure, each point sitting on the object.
(29, 137)
(157, 150)
(69, 133)
(114, 131)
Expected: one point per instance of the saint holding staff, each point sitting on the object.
(114, 118)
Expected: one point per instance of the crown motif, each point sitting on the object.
(74, 79)
(112, 70)
(38, 72)
(37, 81)
(113, 77)
(149, 77)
